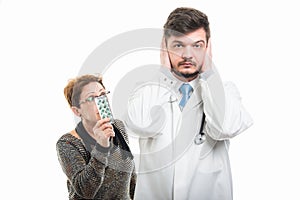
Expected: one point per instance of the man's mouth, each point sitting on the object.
(187, 64)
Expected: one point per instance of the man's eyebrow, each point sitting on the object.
(181, 42)
(177, 41)
(199, 41)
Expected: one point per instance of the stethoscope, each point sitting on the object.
(200, 137)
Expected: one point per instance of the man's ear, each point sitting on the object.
(76, 111)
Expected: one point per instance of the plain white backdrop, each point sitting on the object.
(44, 43)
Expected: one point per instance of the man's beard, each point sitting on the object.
(185, 75)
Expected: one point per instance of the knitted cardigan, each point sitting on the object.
(96, 172)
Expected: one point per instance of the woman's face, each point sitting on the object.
(88, 109)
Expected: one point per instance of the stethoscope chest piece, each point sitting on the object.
(200, 138)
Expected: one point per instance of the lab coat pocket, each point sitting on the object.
(212, 177)
(205, 184)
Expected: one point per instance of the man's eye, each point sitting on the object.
(198, 45)
(177, 45)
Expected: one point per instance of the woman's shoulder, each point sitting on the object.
(68, 145)
(69, 138)
(119, 124)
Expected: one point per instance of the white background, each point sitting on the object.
(44, 43)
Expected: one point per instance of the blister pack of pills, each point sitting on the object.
(104, 107)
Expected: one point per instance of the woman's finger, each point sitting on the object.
(101, 122)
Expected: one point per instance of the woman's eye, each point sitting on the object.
(90, 99)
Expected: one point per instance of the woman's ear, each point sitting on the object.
(76, 111)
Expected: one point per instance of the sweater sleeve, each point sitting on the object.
(132, 184)
(120, 125)
(86, 178)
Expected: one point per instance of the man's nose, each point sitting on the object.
(187, 53)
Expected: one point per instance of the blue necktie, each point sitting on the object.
(185, 90)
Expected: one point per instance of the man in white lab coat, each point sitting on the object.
(185, 117)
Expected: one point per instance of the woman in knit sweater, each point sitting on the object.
(95, 156)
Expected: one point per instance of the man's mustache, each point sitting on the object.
(185, 61)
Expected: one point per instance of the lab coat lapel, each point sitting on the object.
(194, 100)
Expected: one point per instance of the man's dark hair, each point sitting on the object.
(186, 20)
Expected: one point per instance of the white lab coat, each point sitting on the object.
(170, 165)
